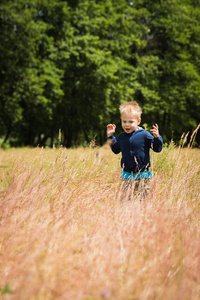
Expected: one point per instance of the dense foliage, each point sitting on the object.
(69, 64)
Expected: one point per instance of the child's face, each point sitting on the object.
(129, 122)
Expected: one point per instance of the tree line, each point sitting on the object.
(68, 65)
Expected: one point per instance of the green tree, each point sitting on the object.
(98, 75)
(30, 80)
(69, 64)
(169, 65)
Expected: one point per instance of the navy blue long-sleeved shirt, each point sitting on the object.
(135, 149)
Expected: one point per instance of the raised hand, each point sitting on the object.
(110, 129)
(155, 131)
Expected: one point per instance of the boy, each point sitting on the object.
(134, 143)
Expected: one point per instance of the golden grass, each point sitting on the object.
(64, 234)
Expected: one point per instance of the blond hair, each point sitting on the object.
(131, 107)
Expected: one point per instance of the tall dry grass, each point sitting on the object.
(64, 234)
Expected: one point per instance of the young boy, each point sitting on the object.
(134, 143)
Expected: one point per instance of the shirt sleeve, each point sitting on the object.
(115, 145)
(156, 144)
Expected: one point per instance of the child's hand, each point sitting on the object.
(110, 129)
(155, 131)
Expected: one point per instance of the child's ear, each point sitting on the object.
(139, 120)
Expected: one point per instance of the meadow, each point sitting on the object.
(65, 234)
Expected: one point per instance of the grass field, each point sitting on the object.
(64, 233)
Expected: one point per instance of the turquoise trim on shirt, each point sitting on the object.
(127, 175)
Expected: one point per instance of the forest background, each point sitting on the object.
(67, 65)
